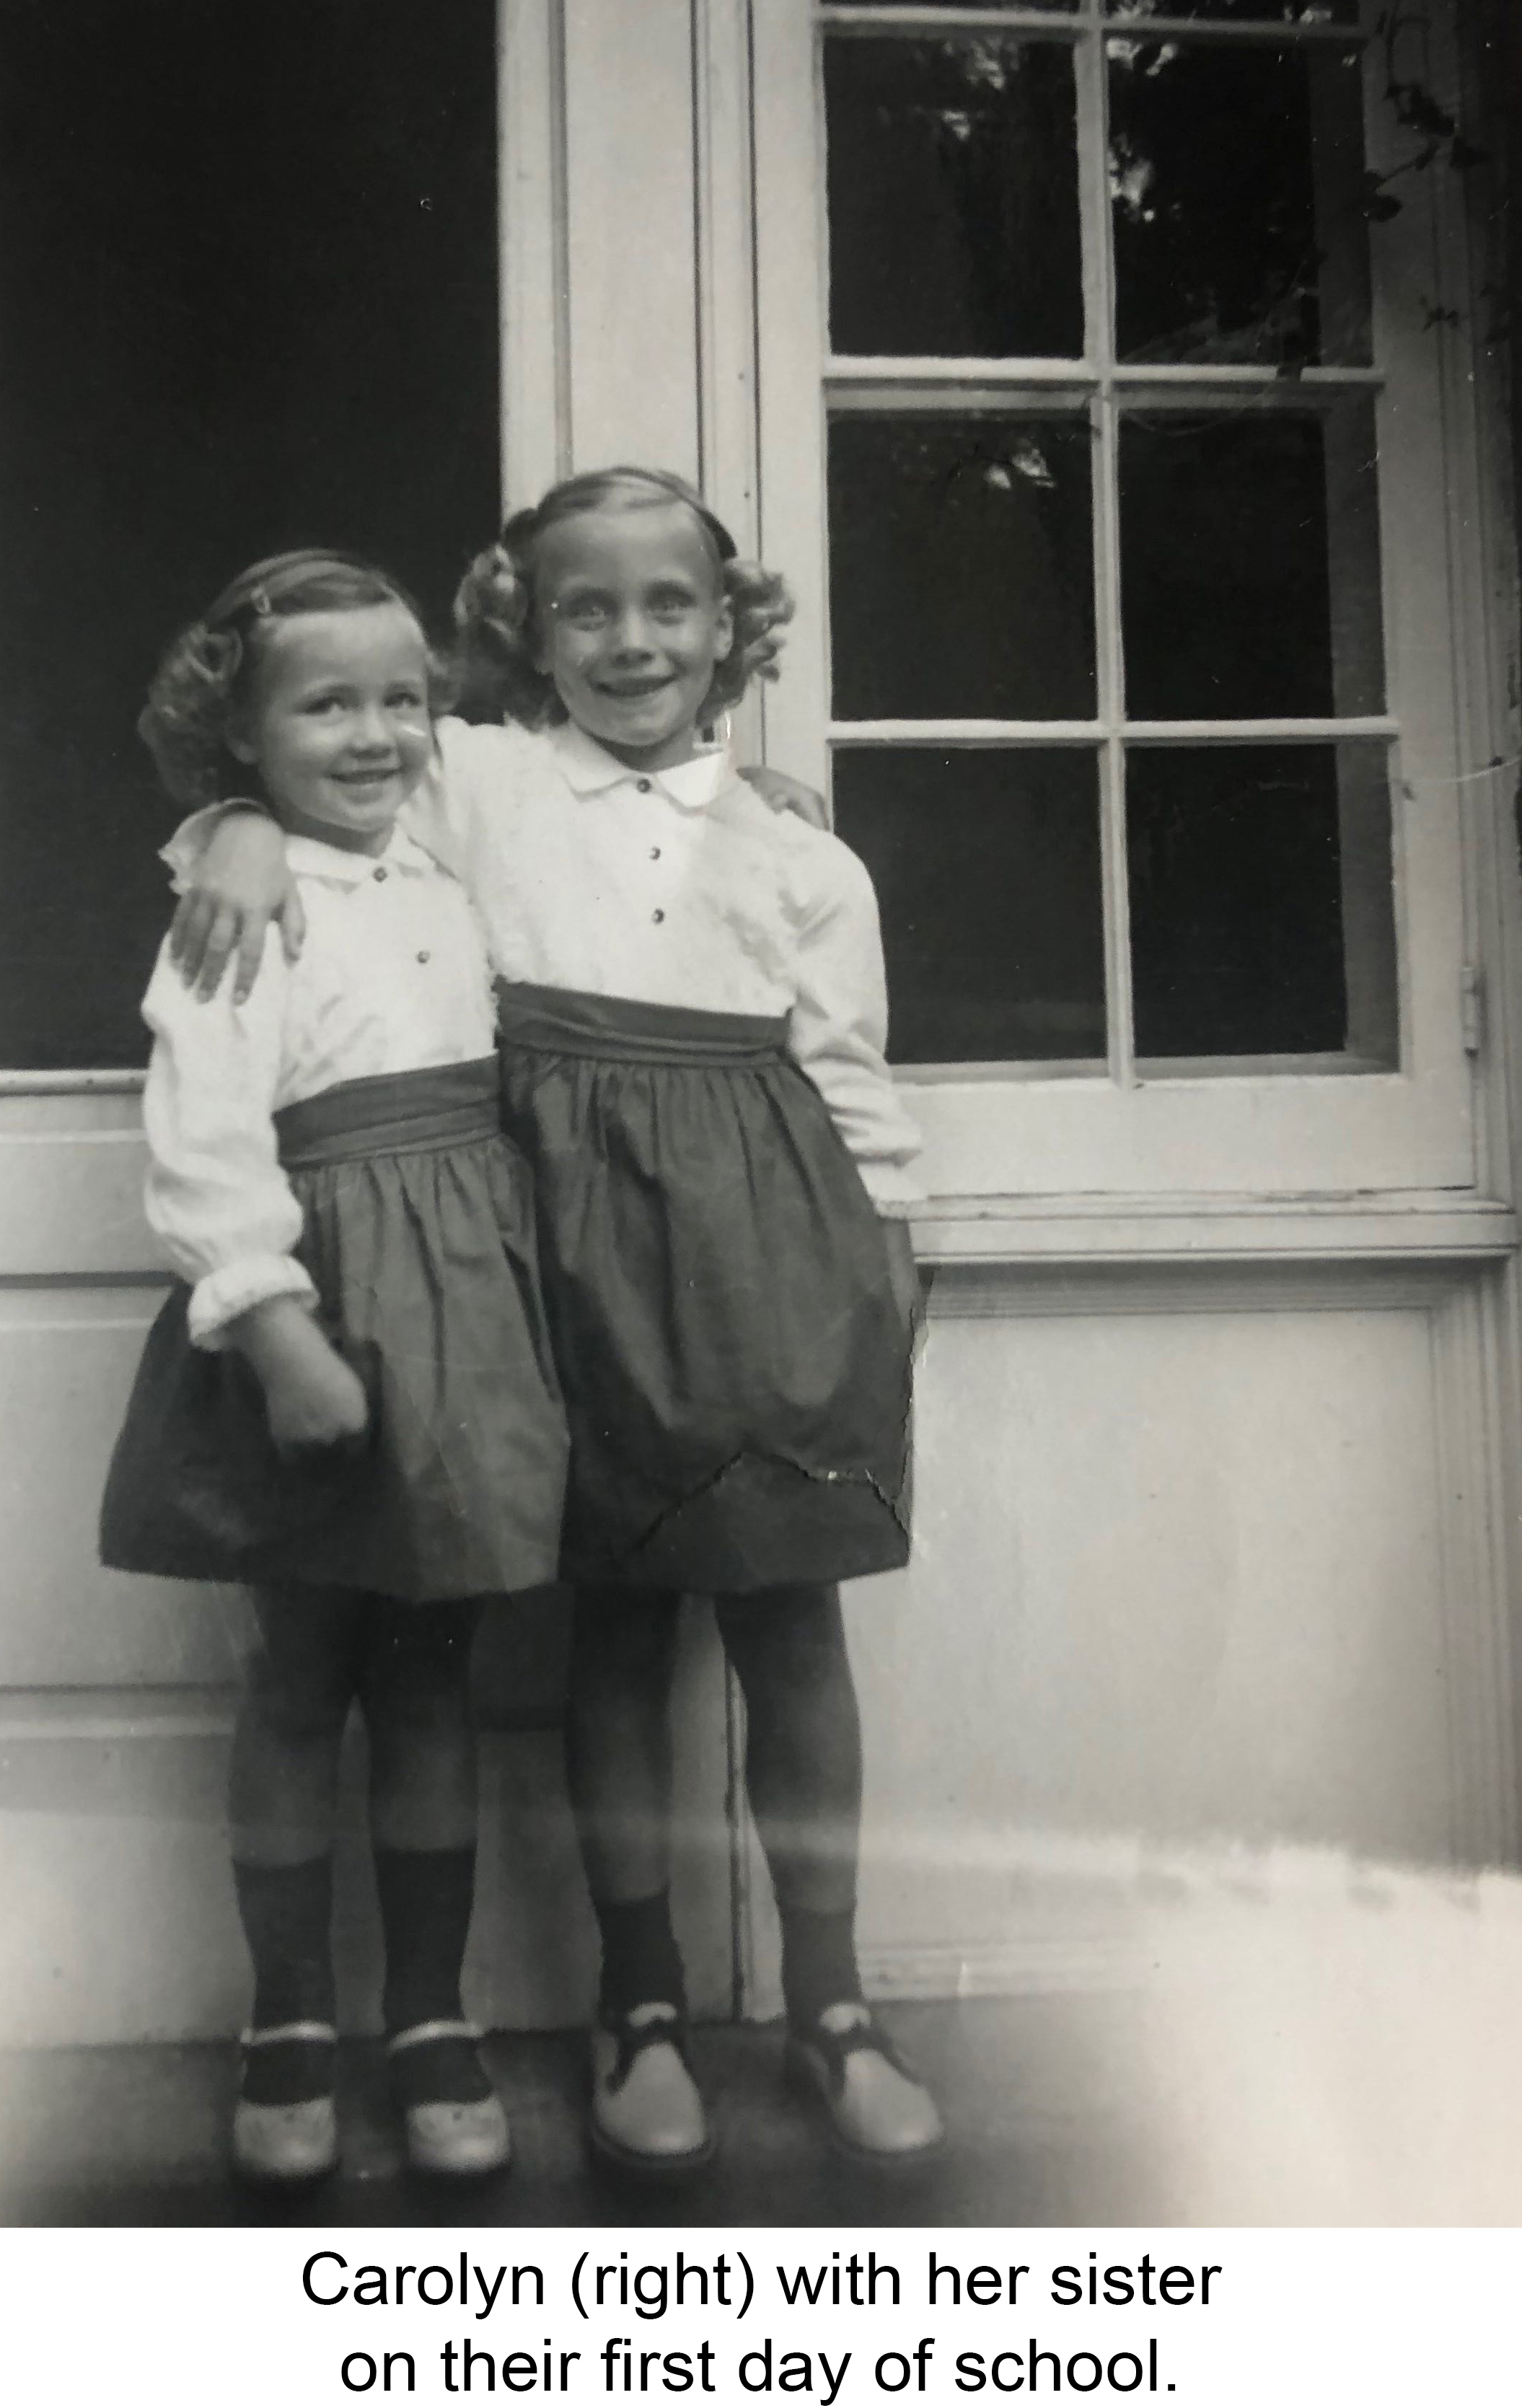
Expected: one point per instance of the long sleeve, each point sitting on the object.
(217, 1198)
(838, 1026)
(439, 814)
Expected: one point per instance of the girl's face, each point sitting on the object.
(631, 621)
(338, 724)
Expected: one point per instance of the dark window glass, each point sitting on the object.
(248, 299)
(1260, 899)
(961, 568)
(1236, 181)
(951, 4)
(1250, 564)
(953, 198)
(987, 873)
(1262, 12)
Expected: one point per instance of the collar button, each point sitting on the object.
(379, 876)
(644, 787)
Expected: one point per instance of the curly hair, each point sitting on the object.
(203, 676)
(495, 606)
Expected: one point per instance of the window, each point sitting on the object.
(1127, 431)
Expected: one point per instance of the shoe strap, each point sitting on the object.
(668, 2030)
(273, 2035)
(420, 2035)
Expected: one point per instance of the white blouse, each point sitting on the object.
(682, 887)
(393, 976)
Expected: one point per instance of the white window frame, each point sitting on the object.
(1034, 1131)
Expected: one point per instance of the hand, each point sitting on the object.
(323, 1405)
(241, 882)
(313, 1396)
(785, 793)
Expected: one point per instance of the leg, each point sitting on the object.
(803, 1777)
(282, 1789)
(416, 1695)
(646, 2114)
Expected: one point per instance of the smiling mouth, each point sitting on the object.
(638, 693)
(366, 777)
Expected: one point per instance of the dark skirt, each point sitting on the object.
(735, 1364)
(419, 1236)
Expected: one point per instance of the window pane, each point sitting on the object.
(248, 299)
(1263, 12)
(1250, 564)
(1261, 903)
(950, 3)
(961, 571)
(1236, 184)
(953, 198)
(987, 873)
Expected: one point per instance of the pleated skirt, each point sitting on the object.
(735, 1364)
(419, 1234)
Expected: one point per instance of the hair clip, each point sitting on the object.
(259, 602)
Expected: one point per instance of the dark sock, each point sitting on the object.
(641, 1960)
(286, 1912)
(425, 1900)
(819, 1962)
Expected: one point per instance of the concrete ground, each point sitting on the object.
(137, 2136)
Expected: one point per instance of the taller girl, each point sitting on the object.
(692, 1028)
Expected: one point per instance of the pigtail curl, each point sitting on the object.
(183, 723)
(762, 608)
(492, 610)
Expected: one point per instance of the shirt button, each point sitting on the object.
(657, 917)
(655, 853)
(422, 957)
(380, 874)
(644, 786)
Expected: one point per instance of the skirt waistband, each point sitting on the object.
(402, 1112)
(614, 1029)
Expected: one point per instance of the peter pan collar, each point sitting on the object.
(307, 856)
(587, 769)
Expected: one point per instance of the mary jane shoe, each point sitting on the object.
(647, 2115)
(462, 2138)
(872, 2106)
(287, 2143)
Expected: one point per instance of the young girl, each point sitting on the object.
(692, 1025)
(349, 1404)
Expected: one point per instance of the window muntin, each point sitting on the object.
(1231, 545)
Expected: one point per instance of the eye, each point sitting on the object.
(672, 602)
(316, 705)
(406, 698)
(588, 613)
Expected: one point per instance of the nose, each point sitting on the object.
(632, 636)
(371, 731)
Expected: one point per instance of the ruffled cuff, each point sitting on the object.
(236, 1287)
(895, 1192)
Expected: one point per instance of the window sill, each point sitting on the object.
(1441, 1225)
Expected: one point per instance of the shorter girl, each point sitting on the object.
(350, 1405)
